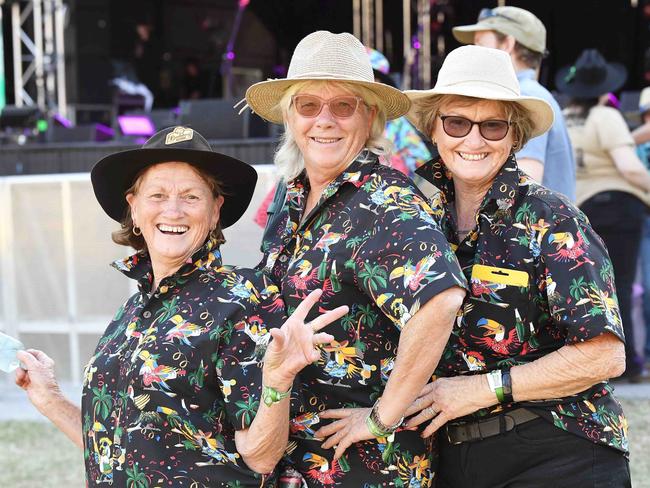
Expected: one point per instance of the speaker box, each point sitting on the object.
(80, 133)
(214, 118)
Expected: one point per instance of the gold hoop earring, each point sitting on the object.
(136, 230)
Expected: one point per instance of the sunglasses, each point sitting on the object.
(341, 107)
(487, 13)
(492, 130)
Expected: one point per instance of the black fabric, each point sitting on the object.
(618, 218)
(273, 212)
(532, 455)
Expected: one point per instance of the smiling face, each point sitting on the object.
(175, 209)
(328, 143)
(473, 160)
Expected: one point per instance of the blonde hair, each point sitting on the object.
(288, 158)
(427, 110)
(125, 235)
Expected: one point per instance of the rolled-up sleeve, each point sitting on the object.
(407, 260)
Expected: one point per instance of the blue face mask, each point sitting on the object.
(8, 349)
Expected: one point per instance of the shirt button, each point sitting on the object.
(147, 314)
(283, 258)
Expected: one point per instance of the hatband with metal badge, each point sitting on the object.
(179, 134)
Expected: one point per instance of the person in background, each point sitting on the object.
(193, 82)
(548, 159)
(612, 183)
(641, 137)
(190, 383)
(521, 396)
(410, 151)
(364, 234)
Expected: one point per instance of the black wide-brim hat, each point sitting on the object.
(113, 175)
(591, 76)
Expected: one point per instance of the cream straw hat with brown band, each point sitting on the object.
(319, 56)
(481, 72)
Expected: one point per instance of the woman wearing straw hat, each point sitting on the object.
(521, 396)
(176, 393)
(362, 233)
(612, 184)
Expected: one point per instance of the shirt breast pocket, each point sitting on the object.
(499, 298)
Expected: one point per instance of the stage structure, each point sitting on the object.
(419, 43)
(37, 30)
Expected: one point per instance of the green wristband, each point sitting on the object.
(496, 384)
(374, 429)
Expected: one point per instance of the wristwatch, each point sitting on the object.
(270, 395)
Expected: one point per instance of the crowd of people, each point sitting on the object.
(386, 338)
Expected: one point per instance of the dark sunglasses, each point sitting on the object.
(492, 130)
(487, 13)
(341, 107)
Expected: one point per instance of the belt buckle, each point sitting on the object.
(454, 443)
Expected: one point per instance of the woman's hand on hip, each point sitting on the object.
(296, 343)
(38, 379)
(446, 399)
(349, 428)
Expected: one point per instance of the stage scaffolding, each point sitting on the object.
(37, 30)
(418, 44)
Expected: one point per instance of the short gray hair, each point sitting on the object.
(288, 158)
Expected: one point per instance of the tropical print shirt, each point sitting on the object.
(410, 150)
(540, 278)
(372, 243)
(176, 373)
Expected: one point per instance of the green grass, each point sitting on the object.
(36, 454)
(637, 413)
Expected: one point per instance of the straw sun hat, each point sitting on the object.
(322, 56)
(485, 73)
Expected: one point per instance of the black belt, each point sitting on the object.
(459, 432)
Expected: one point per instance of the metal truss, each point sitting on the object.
(37, 29)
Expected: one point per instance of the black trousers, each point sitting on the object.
(535, 454)
(618, 217)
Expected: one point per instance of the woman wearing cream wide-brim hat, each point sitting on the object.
(363, 233)
(522, 385)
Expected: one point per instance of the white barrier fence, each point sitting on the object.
(57, 292)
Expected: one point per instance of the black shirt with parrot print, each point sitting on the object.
(540, 278)
(373, 243)
(176, 373)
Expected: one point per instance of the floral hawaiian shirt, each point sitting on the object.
(373, 243)
(176, 373)
(540, 278)
(411, 152)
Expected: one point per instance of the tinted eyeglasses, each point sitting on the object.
(341, 107)
(487, 13)
(492, 130)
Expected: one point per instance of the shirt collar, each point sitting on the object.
(357, 173)
(500, 197)
(138, 266)
(526, 74)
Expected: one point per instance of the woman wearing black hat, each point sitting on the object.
(190, 383)
(612, 184)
